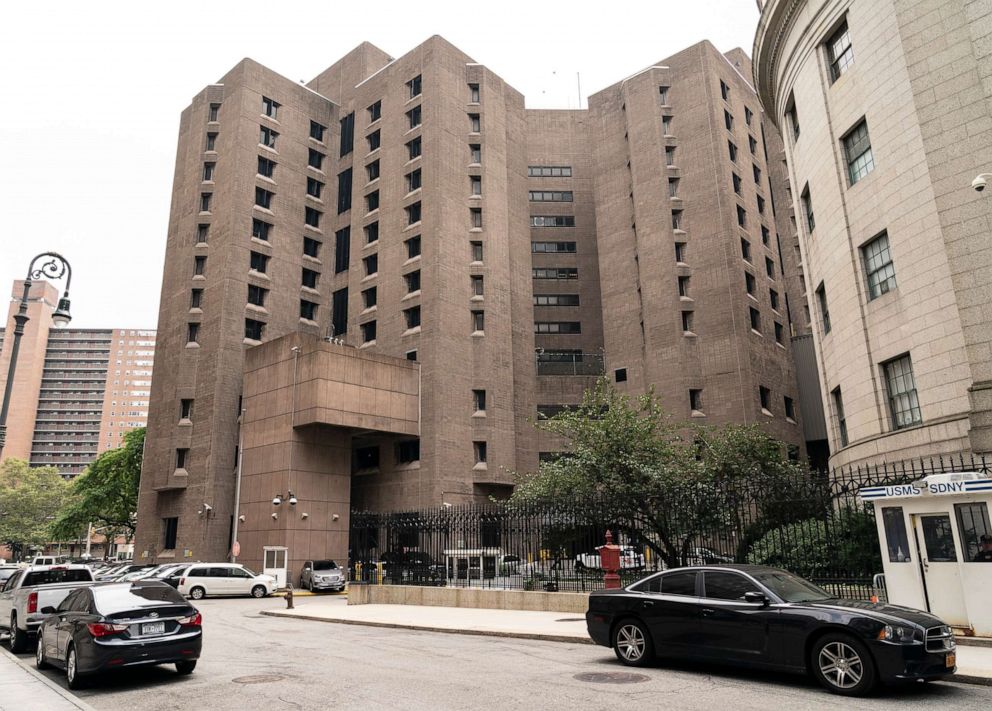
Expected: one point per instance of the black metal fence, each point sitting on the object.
(812, 525)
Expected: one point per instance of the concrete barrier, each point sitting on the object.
(478, 598)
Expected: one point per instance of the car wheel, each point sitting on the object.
(18, 637)
(39, 654)
(197, 593)
(632, 643)
(258, 591)
(185, 668)
(73, 678)
(843, 665)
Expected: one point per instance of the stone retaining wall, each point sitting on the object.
(467, 597)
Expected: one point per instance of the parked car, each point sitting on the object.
(47, 560)
(200, 580)
(170, 574)
(764, 617)
(6, 571)
(121, 570)
(631, 559)
(28, 592)
(322, 575)
(706, 556)
(115, 625)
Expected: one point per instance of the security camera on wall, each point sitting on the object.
(981, 181)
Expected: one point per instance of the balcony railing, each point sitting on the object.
(571, 364)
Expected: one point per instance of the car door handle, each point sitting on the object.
(707, 611)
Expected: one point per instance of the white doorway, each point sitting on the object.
(940, 564)
(274, 560)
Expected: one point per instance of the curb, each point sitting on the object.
(973, 641)
(969, 679)
(67, 695)
(426, 628)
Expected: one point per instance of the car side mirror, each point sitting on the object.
(756, 598)
(48, 610)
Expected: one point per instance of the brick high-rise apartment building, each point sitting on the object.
(76, 390)
(481, 262)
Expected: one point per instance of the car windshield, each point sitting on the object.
(791, 588)
(324, 565)
(116, 598)
(6, 573)
(250, 572)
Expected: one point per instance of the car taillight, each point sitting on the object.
(32, 602)
(102, 629)
(194, 620)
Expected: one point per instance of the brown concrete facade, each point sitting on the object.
(915, 74)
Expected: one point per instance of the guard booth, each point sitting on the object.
(930, 533)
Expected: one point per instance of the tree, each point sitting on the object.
(106, 494)
(30, 498)
(663, 483)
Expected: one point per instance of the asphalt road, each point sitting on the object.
(255, 662)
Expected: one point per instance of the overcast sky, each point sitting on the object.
(92, 92)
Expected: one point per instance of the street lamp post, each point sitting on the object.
(55, 267)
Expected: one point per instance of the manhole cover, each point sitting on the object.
(259, 679)
(571, 619)
(611, 677)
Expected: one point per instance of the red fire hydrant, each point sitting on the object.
(609, 559)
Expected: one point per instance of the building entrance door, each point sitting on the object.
(939, 564)
(274, 563)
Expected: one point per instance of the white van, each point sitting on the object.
(202, 579)
(47, 560)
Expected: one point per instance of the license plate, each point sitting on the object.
(153, 628)
(950, 660)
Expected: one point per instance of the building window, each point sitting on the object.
(761, 205)
(749, 282)
(170, 526)
(808, 209)
(269, 107)
(474, 123)
(375, 112)
(732, 149)
(314, 188)
(372, 169)
(344, 191)
(670, 156)
(857, 149)
(792, 118)
(201, 233)
(214, 112)
(741, 216)
(372, 201)
(745, 249)
(676, 219)
(308, 310)
(309, 278)
(752, 145)
(185, 409)
(479, 286)
(550, 195)
(570, 327)
(773, 298)
(199, 266)
(481, 453)
(879, 270)
(267, 137)
(779, 333)
(728, 120)
(196, 298)
(680, 252)
(973, 526)
(348, 134)
(663, 94)
(821, 300)
(748, 115)
(263, 198)
(192, 332)
(476, 248)
(474, 153)
(840, 53)
(904, 406)
(555, 273)
(258, 262)
(683, 283)
(256, 295)
(414, 85)
(315, 159)
(311, 217)
(666, 125)
(687, 319)
(366, 457)
(311, 247)
(412, 247)
(254, 329)
(412, 281)
(765, 235)
(673, 187)
(205, 201)
(724, 90)
(317, 131)
(211, 142)
(371, 264)
(371, 232)
(839, 413)
(339, 312)
(765, 396)
(755, 317)
(696, 399)
(473, 93)
(260, 229)
(342, 250)
(756, 172)
(549, 171)
(478, 321)
(370, 297)
(555, 299)
(475, 184)
(413, 180)
(374, 140)
(552, 247)
(737, 182)
(479, 400)
(409, 451)
(413, 213)
(413, 148)
(552, 220)
(208, 171)
(414, 116)
(368, 332)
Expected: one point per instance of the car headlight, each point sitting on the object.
(895, 633)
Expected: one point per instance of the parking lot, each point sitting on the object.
(253, 661)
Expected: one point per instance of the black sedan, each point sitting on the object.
(768, 618)
(114, 625)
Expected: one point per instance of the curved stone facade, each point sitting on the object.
(885, 128)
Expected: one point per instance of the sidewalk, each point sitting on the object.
(22, 688)
(974, 663)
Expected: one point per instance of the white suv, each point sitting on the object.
(204, 579)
